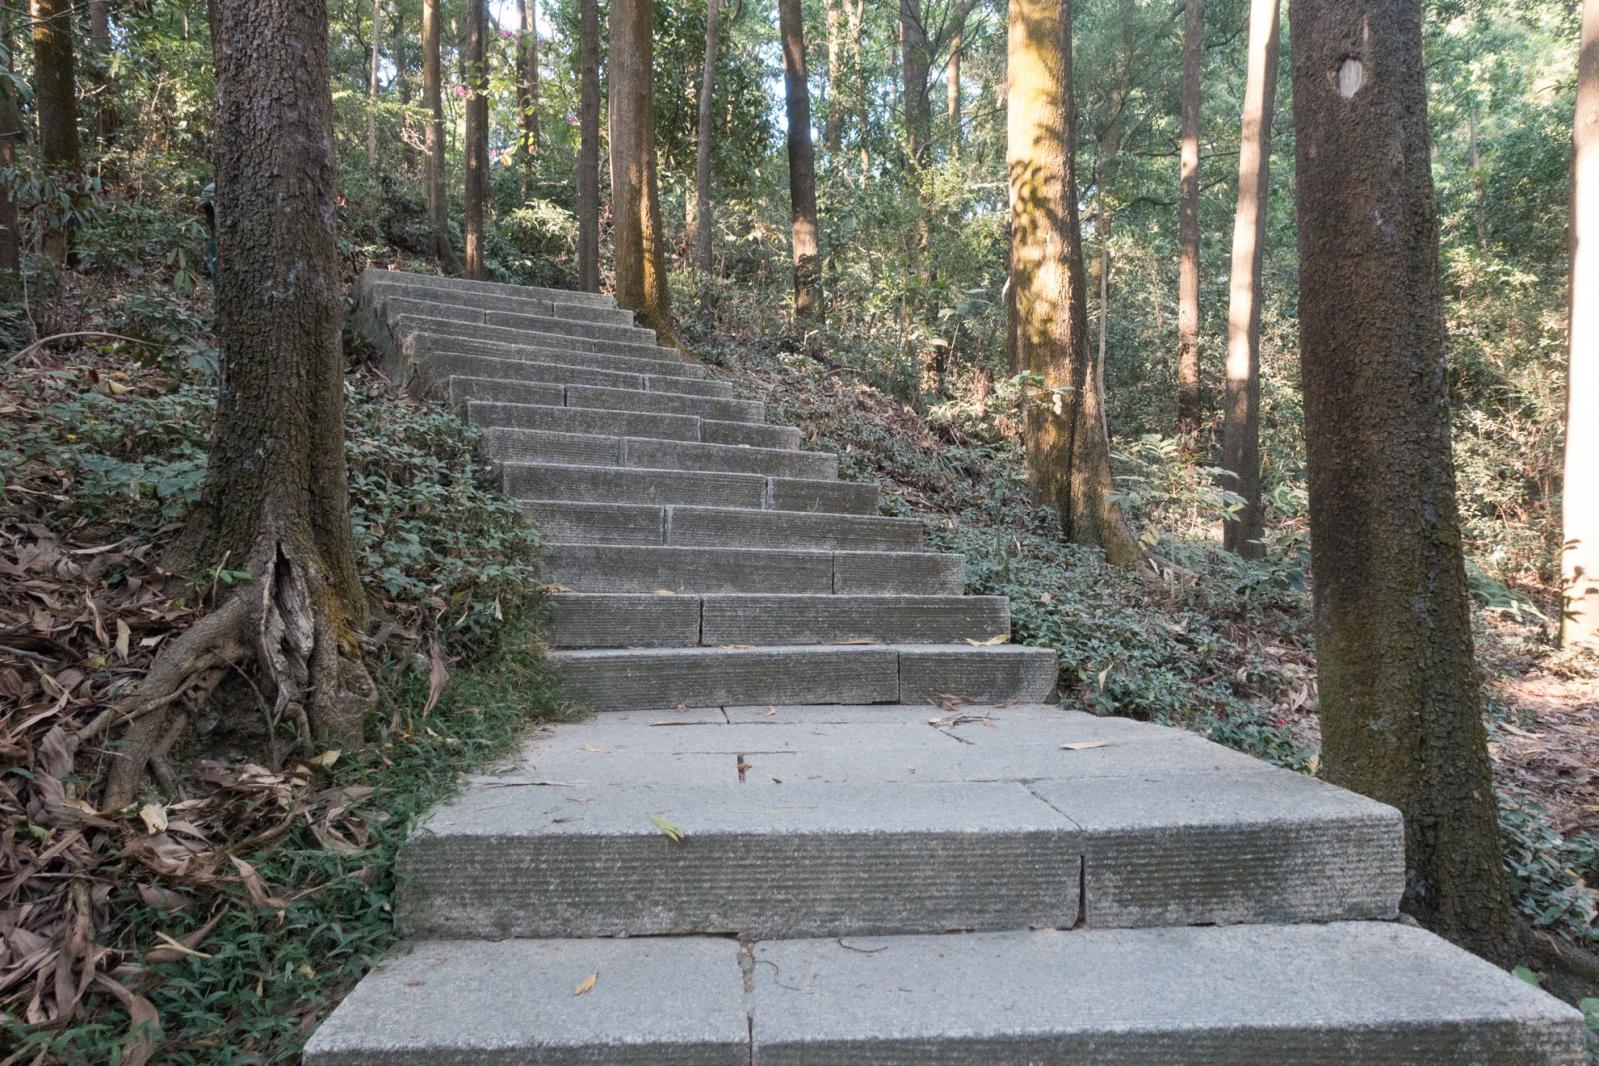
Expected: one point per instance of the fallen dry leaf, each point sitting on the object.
(587, 984)
(1084, 745)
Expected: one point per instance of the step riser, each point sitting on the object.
(599, 484)
(645, 453)
(438, 356)
(652, 621)
(395, 304)
(488, 374)
(377, 289)
(619, 568)
(492, 416)
(622, 681)
(531, 339)
(722, 410)
(602, 523)
(438, 284)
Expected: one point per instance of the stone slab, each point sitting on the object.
(831, 497)
(463, 390)
(549, 323)
(1345, 994)
(483, 1003)
(672, 403)
(848, 861)
(470, 336)
(835, 619)
(642, 568)
(977, 675)
(791, 529)
(672, 455)
(625, 680)
(424, 346)
(624, 620)
(439, 283)
(539, 446)
(1272, 846)
(691, 386)
(756, 435)
(595, 523)
(554, 303)
(603, 484)
(554, 375)
(576, 420)
(926, 573)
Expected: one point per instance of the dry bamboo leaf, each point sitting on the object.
(673, 831)
(586, 985)
(1084, 745)
(992, 642)
(154, 817)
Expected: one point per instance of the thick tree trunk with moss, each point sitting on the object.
(477, 137)
(55, 99)
(635, 192)
(1067, 452)
(801, 165)
(433, 100)
(588, 152)
(1579, 557)
(1241, 413)
(1190, 404)
(10, 138)
(703, 226)
(276, 501)
(527, 84)
(1401, 711)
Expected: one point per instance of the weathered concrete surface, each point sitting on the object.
(624, 620)
(931, 672)
(497, 416)
(671, 403)
(437, 283)
(714, 431)
(792, 529)
(835, 619)
(538, 861)
(463, 390)
(867, 572)
(673, 1002)
(834, 497)
(776, 462)
(1347, 994)
(704, 569)
(373, 292)
(570, 346)
(418, 346)
(625, 680)
(600, 484)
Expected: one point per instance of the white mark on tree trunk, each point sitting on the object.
(1351, 76)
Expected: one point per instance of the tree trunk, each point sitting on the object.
(433, 100)
(1067, 453)
(527, 84)
(372, 90)
(1579, 558)
(953, 94)
(916, 65)
(1190, 401)
(703, 226)
(276, 499)
(1401, 711)
(1479, 198)
(857, 32)
(801, 164)
(55, 100)
(635, 192)
(588, 152)
(1241, 418)
(833, 120)
(10, 138)
(105, 115)
(477, 137)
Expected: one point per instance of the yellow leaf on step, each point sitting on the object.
(673, 831)
(996, 639)
(587, 984)
(1083, 745)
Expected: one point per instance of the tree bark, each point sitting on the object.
(105, 114)
(1241, 418)
(952, 89)
(1478, 196)
(588, 152)
(10, 138)
(703, 225)
(276, 499)
(55, 100)
(1401, 710)
(372, 90)
(917, 63)
(527, 83)
(477, 137)
(1067, 452)
(433, 100)
(1579, 557)
(801, 164)
(635, 192)
(833, 119)
(1190, 401)
(856, 14)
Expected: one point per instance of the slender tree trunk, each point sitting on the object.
(477, 137)
(801, 164)
(433, 101)
(857, 36)
(405, 88)
(55, 100)
(105, 114)
(275, 500)
(833, 123)
(10, 138)
(1190, 401)
(635, 192)
(372, 90)
(703, 225)
(527, 84)
(1479, 198)
(1401, 711)
(588, 152)
(1241, 425)
(1067, 452)
(1579, 557)
(953, 94)
(916, 65)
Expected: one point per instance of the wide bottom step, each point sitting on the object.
(1350, 994)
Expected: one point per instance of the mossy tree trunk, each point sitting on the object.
(1190, 404)
(435, 164)
(55, 99)
(801, 165)
(1579, 560)
(477, 138)
(1401, 711)
(276, 500)
(635, 191)
(1067, 451)
(588, 152)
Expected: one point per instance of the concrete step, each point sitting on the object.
(625, 523)
(374, 285)
(650, 620)
(396, 304)
(496, 416)
(1351, 993)
(523, 446)
(617, 680)
(683, 569)
(612, 484)
(439, 284)
(490, 372)
(670, 403)
(410, 322)
(436, 356)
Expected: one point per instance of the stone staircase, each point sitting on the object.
(827, 817)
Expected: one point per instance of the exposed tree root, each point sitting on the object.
(287, 624)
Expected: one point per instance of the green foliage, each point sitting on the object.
(1550, 873)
